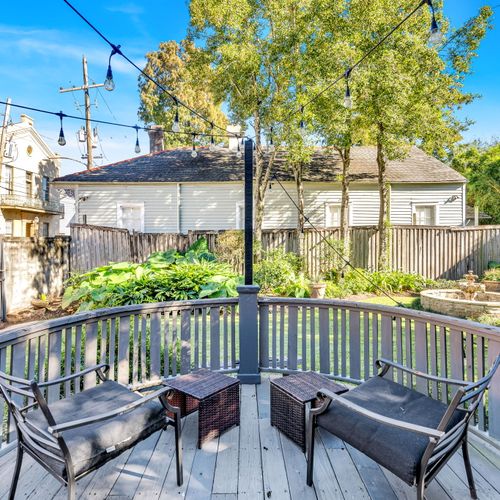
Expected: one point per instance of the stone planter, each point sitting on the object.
(317, 290)
(492, 286)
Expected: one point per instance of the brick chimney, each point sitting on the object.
(156, 139)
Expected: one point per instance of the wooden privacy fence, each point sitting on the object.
(433, 251)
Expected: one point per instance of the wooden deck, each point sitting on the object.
(252, 461)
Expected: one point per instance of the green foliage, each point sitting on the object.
(230, 248)
(361, 281)
(331, 261)
(279, 273)
(480, 163)
(488, 319)
(492, 274)
(169, 275)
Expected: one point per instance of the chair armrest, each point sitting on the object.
(56, 430)
(90, 369)
(435, 378)
(419, 429)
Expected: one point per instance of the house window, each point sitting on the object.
(45, 188)
(332, 214)
(9, 227)
(45, 229)
(240, 216)
(29, 184)
(131, 216)
(8, 180)
(425, 215)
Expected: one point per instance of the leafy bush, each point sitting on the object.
(279, 273)
(331, 261)
(230, 248)
(492, 274)
(361, 281)
(170, 275)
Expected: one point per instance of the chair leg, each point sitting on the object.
(178, 452)
(421, 490)
(310, 449)
(17, 470)
(71, 489)
(468, 468)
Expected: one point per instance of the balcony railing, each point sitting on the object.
(146, 343)
(28, 203)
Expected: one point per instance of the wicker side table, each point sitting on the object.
(215, 396)
(290, 396)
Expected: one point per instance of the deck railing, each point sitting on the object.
(146, 343)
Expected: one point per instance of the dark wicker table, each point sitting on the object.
(214, 395)
(290, 396)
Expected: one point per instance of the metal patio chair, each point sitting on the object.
(403, 430)
(77, 435)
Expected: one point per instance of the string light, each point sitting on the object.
(238, 150)
(175, 125)
(61, 139)
(302, 126)
(109, 83)
(137, 147)
(347, 97)
(271, 144)
(212, 141)
(194, 153)
(435, 36)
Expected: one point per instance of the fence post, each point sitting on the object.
(249, 335)
(494, 391)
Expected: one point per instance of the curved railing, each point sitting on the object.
(146, 343)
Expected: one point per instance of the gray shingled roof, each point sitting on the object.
(177, 165)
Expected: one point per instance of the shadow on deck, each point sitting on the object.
(252, 461)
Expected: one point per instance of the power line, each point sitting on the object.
(116, 49)
(60, 114)
(325, 240)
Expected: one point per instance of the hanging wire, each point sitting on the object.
(116, 49)
(105, 122)
(325, 240)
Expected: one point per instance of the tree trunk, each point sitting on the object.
(345, 154)
(383, 191)
(299, 183)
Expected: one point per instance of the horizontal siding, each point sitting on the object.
(364, 203)
(403, 197)
(99, 204)
(279, 211)
(209, 206)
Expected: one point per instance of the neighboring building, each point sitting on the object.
(29, 205)
(68, 204)
(169, 191)
(475, 217)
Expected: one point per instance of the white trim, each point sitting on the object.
(434, 204)
(339, 205)
(464, 205)
(120, 205)
(179, 208)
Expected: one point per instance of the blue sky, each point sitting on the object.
(41, 45)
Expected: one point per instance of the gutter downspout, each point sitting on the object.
(178, 208)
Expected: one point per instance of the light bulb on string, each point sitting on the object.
(435, 36)
(137, 146)
(271, 143)
(238, 150)
(175, 125)
(302, 125)
(347, 97)
(61, 139)
(109, 83)
(194, 153)
(212, 141)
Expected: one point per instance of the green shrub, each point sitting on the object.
(488, 319)
(164, 276)
(331, 261)
(277, 271)
(492, 274)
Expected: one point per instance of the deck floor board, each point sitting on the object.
(252, 461)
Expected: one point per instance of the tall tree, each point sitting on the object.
(182, 68)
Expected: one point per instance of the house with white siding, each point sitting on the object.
(170, 191)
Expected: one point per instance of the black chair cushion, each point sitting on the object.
(92, 445)
(398, 450)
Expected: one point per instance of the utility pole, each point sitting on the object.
(88, 124)
(3, 133)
